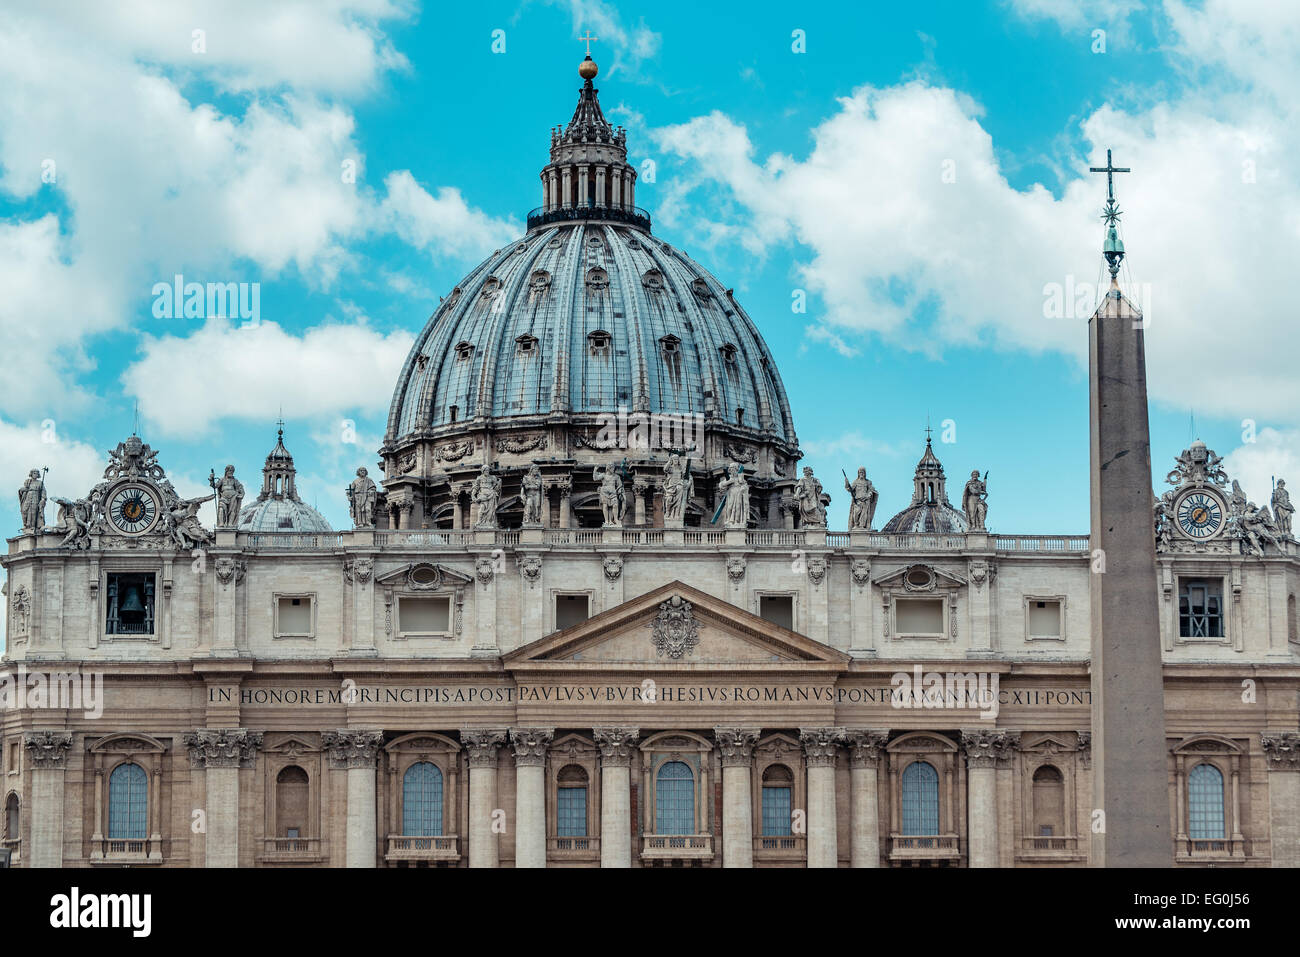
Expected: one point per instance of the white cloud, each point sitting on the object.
(621, 47)
(1212, 218)
(1275, 454)
(75, 466)
(187, 385)
(441, 223)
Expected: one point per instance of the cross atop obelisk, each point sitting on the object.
(1110, 169)
(1113, 249)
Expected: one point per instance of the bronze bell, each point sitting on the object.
(131, 604)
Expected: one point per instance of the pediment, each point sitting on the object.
(677, 626)
(423, 576)
(1049, 744)
(920, 577)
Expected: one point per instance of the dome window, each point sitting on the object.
(464, 350)
(526, 345)
(652, 279)
(597, 279)
(421, 361)
(728, 354)
(670, 345)
(453, 412)
(598, 343)
(539, 280)
(491, 287)
(701, 289)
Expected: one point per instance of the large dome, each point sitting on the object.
(589, 317)
(585, 321)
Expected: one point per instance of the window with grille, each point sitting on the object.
(674, 799)
(128, 803)
(1200, 608)
(422, 800)
(777, 802)
(571, 802)
(920, 799)
(1205, 803)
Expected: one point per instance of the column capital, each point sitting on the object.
(736, 745)
(223, 747)
(530, 746)
(1282, 749)
(988, 748)
(481, 745)
(352, 748)
(820, 745)
(616, 745)
(47, 750)
(865, 745)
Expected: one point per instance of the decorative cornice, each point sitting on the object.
(820, 745)
(530, 745)
(616, 745)
(865, 746)
(47, 750)
(223, 747)
(736, 745)
(986, 749)
(348, 748)
(481, 745)
(1282, 749)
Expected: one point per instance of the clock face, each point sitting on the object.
(1200, 515)
(133, 509)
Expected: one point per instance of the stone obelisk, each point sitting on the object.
(1130, 781)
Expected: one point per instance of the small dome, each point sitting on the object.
(278, 507)
(281, 515)
(930, 511)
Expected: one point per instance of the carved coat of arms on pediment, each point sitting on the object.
(674, 631)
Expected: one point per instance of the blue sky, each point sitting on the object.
(919, 171)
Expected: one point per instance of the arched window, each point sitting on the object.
(571, 802)
(128, 803)
(1049, 802)
(778, 786)
(675, 799)
(12, 820)
(1205, 803)
(920, 799)
(422, 800)
(292, 790)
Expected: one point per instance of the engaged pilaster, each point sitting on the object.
(481, 746)
(530, 745)
(47, 756)
(357, 752)
(1282, 751)
(737, 748)
(986, 751)
(820, 746)
(220, 753)
(617, 745)
(866, 748)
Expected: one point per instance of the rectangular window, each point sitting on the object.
(571, 610)
(922, 617)
(14, 755)
(776, 811)
(130, 609)
(778, 609)
(1044, 619)
(571, 812)
(423, 616)
(293, 618)
(1200, 608)
(290, 832)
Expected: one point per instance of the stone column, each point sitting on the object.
(985, 750)
(617, 191)
(583, 191)
(567, 177)
(865, 751)
(481, 745)
(1282, 749)
(220, 753)
(737, 747)
(566, 509)
(861, 608)
(600, 186)
(617, 745)
(530, 794)
(356, 752)
(820, 746)
(47, 756)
